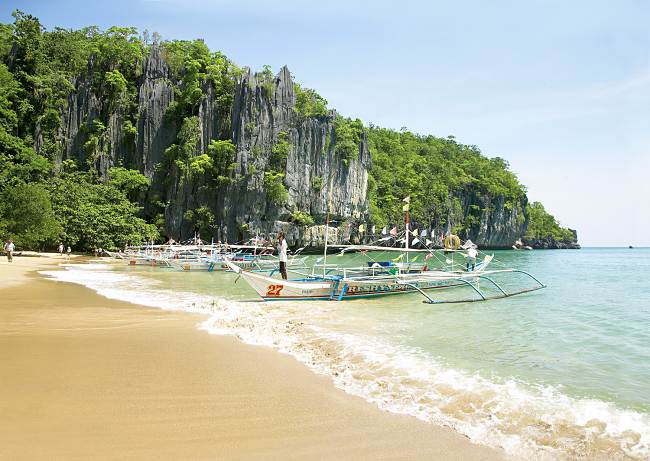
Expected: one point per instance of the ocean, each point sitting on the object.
(559, 373)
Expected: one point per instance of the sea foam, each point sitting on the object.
(525, 420)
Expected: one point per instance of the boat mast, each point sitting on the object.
(327, 233)
(407, 209)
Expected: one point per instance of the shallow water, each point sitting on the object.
(562, 372)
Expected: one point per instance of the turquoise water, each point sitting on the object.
(562, 372)
(588, 331)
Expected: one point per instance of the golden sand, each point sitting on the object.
(84, 377)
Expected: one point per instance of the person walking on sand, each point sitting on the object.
(69, 252)
(9, 249)
(61, 248)
(282, 255)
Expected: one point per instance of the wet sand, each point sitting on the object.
(85, 377)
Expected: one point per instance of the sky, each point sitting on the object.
(559, 89)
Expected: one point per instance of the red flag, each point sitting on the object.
(427, 256)
(393, 231)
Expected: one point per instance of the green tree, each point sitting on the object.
(348, 137)
(116, 85)
(280, 151)
(301, 218)
(222, 154)
(436, 173)
(26, 216)
(275, 189)
(309, 103)
(203, 220)
(133, 183)
(97, 215)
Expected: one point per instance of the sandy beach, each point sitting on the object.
(85, 377)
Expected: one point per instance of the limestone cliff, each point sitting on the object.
(262, 112)
(316, 179)
(550, 243)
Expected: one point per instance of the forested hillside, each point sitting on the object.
(115, 137)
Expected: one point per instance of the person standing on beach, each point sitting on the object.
(69, 251)
(61, 248)
(282, 255)
(9, 249)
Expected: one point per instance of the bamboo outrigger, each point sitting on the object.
(385, 278)
(358, 283)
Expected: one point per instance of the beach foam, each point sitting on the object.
(526, 420)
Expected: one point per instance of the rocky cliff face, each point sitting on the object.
(552, 244)
(492, 222)
(499, 225)
(316, 178)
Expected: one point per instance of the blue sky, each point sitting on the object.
(559, 89)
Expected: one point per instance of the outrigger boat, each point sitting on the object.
(245, 260)
(380, 280)
(205, 257)
(384, 278)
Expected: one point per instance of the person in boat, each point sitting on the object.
(472, 253)
(282, 255)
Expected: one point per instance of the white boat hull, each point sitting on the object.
(273, 289)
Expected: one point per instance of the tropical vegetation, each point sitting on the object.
(55, 190)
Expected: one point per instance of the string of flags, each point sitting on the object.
(419, 235)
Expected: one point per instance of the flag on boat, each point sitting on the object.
(384, 231)
(415, 241)
(428, 256)
(428, 242)
(414, 232)
(362, 227)
(408, 203)
(398, 258)
(414, 259)
(373, 229)
(393, 231)
(423, 233)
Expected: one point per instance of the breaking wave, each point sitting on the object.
(524, 419)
